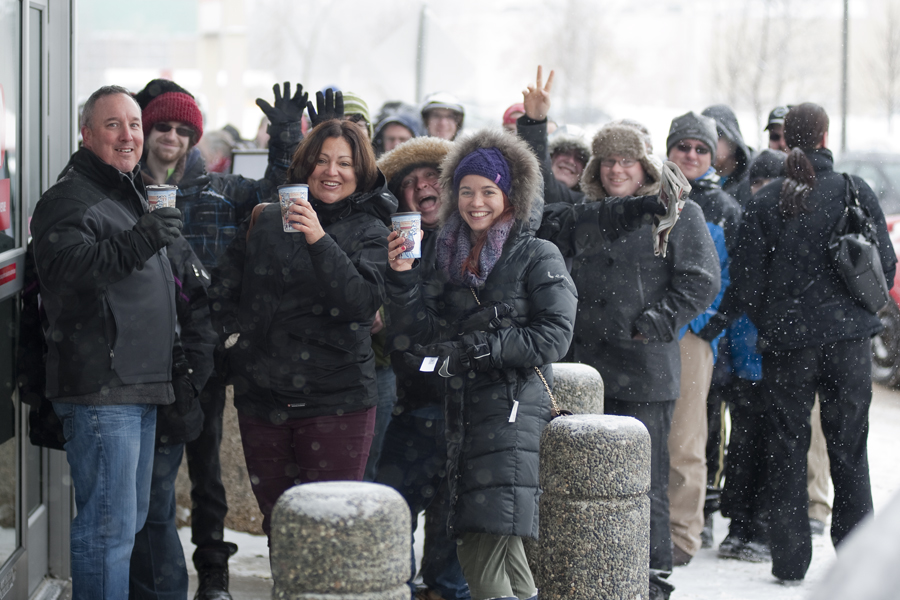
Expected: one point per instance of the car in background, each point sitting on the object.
(882, 172)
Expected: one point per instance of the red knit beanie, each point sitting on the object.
(508, 113)
(173, 106)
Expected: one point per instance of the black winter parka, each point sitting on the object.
(492, 462)
(109, 296)
(784, 277)
(304, 312)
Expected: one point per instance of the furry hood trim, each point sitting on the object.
(525, 171)
(410, 155)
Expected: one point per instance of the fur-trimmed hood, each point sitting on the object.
(618, 139)
(412, 154)
(566, 142)
(525, 171)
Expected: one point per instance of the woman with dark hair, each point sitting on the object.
(295, 311)
(497, 308)
(812, 334)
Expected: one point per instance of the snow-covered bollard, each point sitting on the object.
(595, 513)
(340, 539)
(578, 388)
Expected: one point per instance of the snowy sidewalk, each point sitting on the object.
(705, 578)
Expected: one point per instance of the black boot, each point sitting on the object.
(212, 572)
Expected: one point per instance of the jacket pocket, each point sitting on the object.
(111, 328)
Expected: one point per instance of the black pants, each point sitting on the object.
(840, 372)
(657, 418)
(745, 491)
(209, 506)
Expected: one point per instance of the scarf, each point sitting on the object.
(454, 245)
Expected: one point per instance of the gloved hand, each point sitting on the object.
(160, 227)
(286, 109)
(635, 207)
(488, 317)
(185, 394)
(452, 359)
(716, 325)
(328, 106)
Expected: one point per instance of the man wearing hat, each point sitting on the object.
(775, 127)
(213, 206)
(692, 144)
(414, 453)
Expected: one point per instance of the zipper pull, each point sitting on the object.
(111, 353)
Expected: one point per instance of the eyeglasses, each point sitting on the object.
(166, 128)
(774, 137)
(700, 149)
(625, 163)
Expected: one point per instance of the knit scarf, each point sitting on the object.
(454, 245)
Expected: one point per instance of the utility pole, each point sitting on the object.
(420, 52)
(846, 49)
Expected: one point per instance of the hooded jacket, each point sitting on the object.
(404, 117)
(727, 125)
(109, 296)
(304, 311)
(783, 273)
(625, 290)
(493, 463)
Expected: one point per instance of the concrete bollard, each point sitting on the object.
(340, 540)
(578, 388)
(595, 513)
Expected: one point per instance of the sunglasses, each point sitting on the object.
(626, 163)
(774, 137)
(166, 128)
(700, 149)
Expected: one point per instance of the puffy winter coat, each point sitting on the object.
(718, 207)
(109, 297)
(304, 312)
(493, 463)
(783, 273)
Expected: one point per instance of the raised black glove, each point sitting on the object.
(160, 227)
(328, 106)
(716, 325)
(287, 109)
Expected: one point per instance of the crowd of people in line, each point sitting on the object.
(351, 361)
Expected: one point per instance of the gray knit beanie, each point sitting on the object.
(695, 127)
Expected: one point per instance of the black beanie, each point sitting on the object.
(155, 88)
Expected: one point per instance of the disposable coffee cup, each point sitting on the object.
(161, 196)
(409, 225)
(290, 194)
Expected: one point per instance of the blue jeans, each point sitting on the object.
(158, 570)
(110, 454)
(414, 462)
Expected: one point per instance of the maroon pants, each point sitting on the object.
(328, 448)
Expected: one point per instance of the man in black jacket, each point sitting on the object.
(109, 296)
